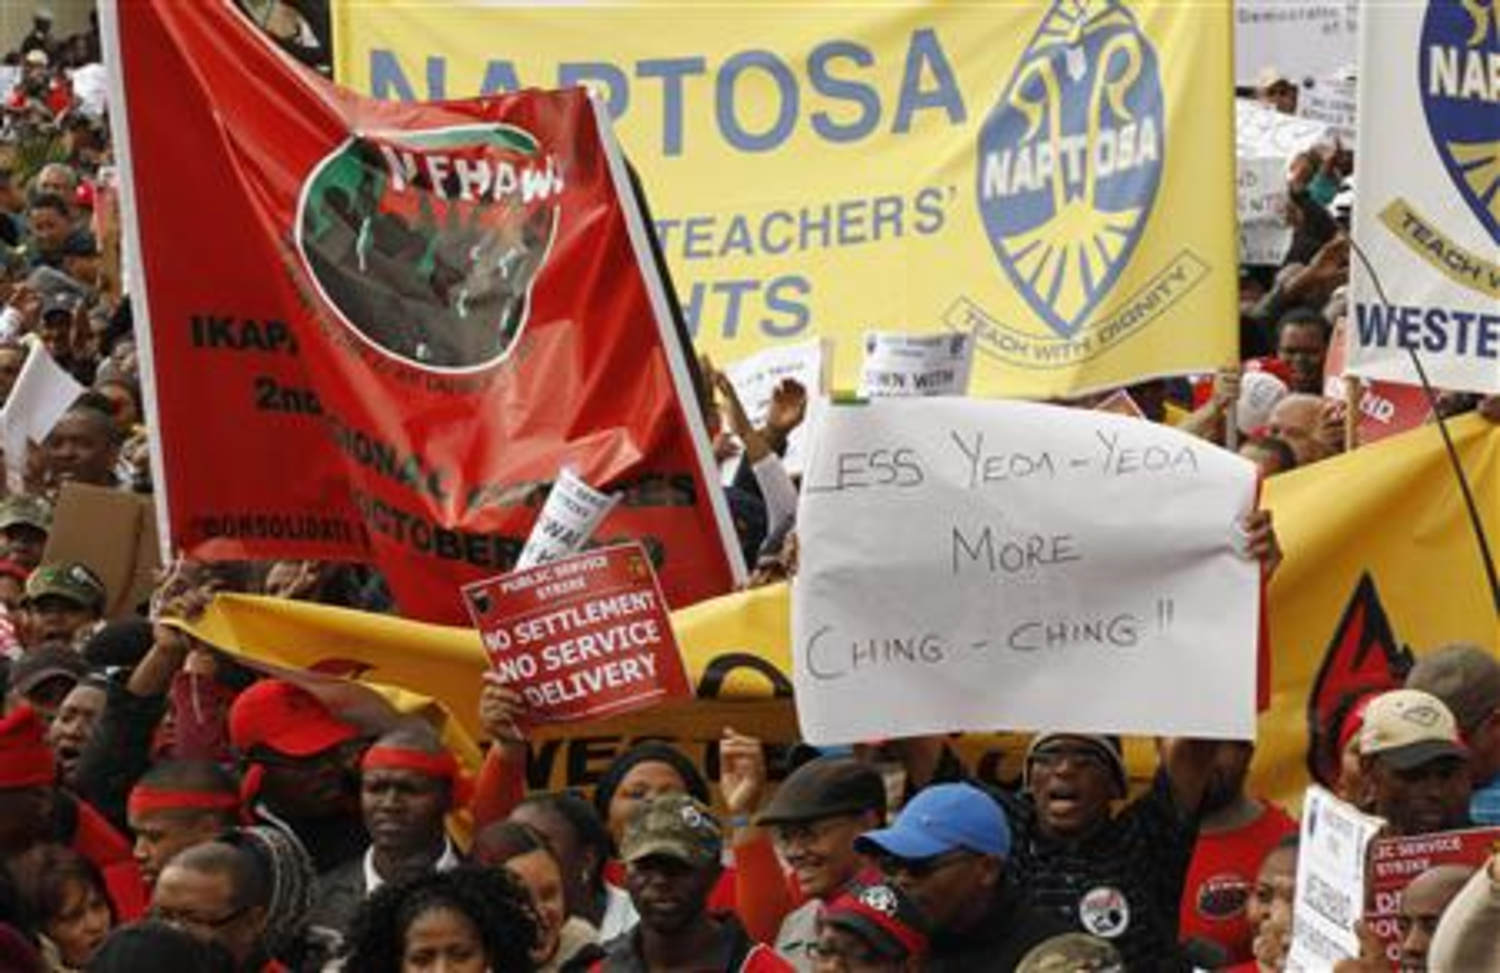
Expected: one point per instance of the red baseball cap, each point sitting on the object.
(285, 718)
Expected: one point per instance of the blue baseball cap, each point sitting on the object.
(940, 819)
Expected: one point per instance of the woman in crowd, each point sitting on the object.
(1270, 909)
(583, 848)
(565, 942)
(64, 895)
(471, 919)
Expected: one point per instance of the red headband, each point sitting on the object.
(440, 765)
(145, 800)
(912, 939)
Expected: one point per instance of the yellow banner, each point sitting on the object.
(1379, 555)
(1059, 186)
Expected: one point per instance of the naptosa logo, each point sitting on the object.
(1070, 159)
(1460, 79)
(428, 243)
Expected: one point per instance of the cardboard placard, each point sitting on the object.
(114, 533)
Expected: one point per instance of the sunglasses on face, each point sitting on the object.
(920, 868)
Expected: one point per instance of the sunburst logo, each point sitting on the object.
(1070, 159)
(1460, 79)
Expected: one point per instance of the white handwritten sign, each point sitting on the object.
(902, 365)
(1330, 881)
(572, 511)
(973, 564)
(756, 376)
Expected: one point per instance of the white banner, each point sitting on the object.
(902, 365)
(1299, 39)
(1427, 213)
(1330, 882)
(975, 565)
(756, 376)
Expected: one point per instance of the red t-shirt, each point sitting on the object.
(1221, 879)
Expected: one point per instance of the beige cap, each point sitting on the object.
(1408, 728)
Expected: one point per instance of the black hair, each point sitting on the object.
(1303, 317)
(500, 841)
(44, 874)
(247, 877)
(495, 902)
(588, 827)
(649, 751)
(85, 407)
(50, 201)
(123, 642)
(149, 947)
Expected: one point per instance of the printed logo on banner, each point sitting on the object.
(1460, 84)
(427, 244)
(1070, 159)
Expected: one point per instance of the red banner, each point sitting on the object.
(581, 637)
(376, 331)
(1397, 862)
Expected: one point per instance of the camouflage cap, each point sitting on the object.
(677, 826)
(72, 580)
(21, 508)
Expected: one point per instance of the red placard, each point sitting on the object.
(1396, 862)
(581, 637)
(376, 331)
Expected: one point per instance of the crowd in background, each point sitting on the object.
(164, 807)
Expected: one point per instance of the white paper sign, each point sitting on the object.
(42, 393)
(1425, 214)
(90, 87)
(1265, 142)
(757, 376)
(972, 564)
(1298, 38)
(1330, 881)
(1333, 101)
(904, 366)
(572, 511)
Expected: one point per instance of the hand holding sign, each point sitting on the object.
(577, 638)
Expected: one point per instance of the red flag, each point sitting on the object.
(376, 331)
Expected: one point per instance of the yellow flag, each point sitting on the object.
(1055, 178)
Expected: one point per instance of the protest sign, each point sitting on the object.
(971, 564)
(572, 511)
(1330, 882)
(900, 365)
(755, 377)
(114, 533)
(1333, 100)
(1397, 862)
(747, 122)
(410, 316)
(1297, 40)
(581, 637)
(1427, 215)
(1265, 143)
(42, 392)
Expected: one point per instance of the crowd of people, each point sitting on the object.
(163, 806)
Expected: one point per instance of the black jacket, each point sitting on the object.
(999, 941)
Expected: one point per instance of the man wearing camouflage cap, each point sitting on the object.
(25, 522)
(672, 851)
(60, 599)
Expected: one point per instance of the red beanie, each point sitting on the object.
(25, 758)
